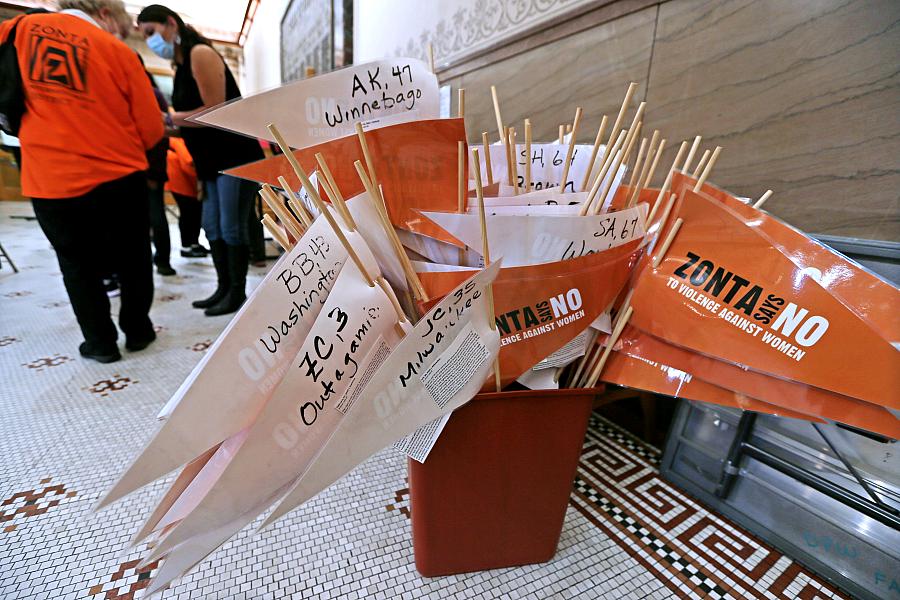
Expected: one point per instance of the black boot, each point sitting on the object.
(237, 271)
(219, 251)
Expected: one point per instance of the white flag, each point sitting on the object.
(322, 108)
(225, 391)
(533, 239)
(300, 416)
(437, 368)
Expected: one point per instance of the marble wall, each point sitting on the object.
(804, 96)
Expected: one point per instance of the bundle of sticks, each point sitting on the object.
(419, 270)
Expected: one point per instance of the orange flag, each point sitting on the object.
(872, 298)
(415, 162)
(789, 395)
(724, 291)
(652, 376)
(540, 308)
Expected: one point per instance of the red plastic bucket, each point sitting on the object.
(494, 490)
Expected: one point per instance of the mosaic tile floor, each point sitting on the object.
(69, 426)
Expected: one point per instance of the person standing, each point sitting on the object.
(157, 159)
(182, 184)
(90, 115)
(202, 80)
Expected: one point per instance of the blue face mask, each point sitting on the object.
(159, 46)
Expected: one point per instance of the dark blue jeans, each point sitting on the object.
(226, 209)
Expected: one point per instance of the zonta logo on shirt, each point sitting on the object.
(723, 287)
(57, 58)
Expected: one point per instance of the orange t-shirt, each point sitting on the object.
(180, 169)
(90, 113)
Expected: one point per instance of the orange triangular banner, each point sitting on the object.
(415, 162)
(540, 308)
(726, 292)
(790, 395)
(864, 293)
(653, 376)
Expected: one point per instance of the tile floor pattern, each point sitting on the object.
(69, 426)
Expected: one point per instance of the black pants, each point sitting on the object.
(188, 219)
(105, 230)
(255, 232)
(159, 225)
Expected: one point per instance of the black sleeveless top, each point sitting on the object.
(212, 149)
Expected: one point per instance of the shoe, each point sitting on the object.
(111, 287)
(105, 355)
(195, 251)
(137, 345)
(237, 275)
(165, 270)
(219, 251)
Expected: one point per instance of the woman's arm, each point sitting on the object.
(208, 70)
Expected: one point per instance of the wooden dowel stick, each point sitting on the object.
(633, 133)
(762, 199)
(664, 247)
(617, 332)
(487, 157)
(708, 169)
(286, 150)
(274, 231)
(297, 206)
(701, 164)
(486, 252)
(431, 57)
(562, 134)
(629, 94)
(274, 202)
(576, 375)
(314, 196)
(326, 187)
(501, 130)
(378, 199)
(570, 151)
(461, 177)
(461, 188)
(598, 181)
(461, 103)
(513, 161)
(670, 204)
(647, 171)
(623, 309)
(597, 141)
(479, 192)
(509, 158)
(527, 155)
(401, 315)
(320, 206)
(370, 165)
(690, 156)
(659, 151)
(637, 164)
(337, 198)
(648, 158)
(412, 279)
(668, 182)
